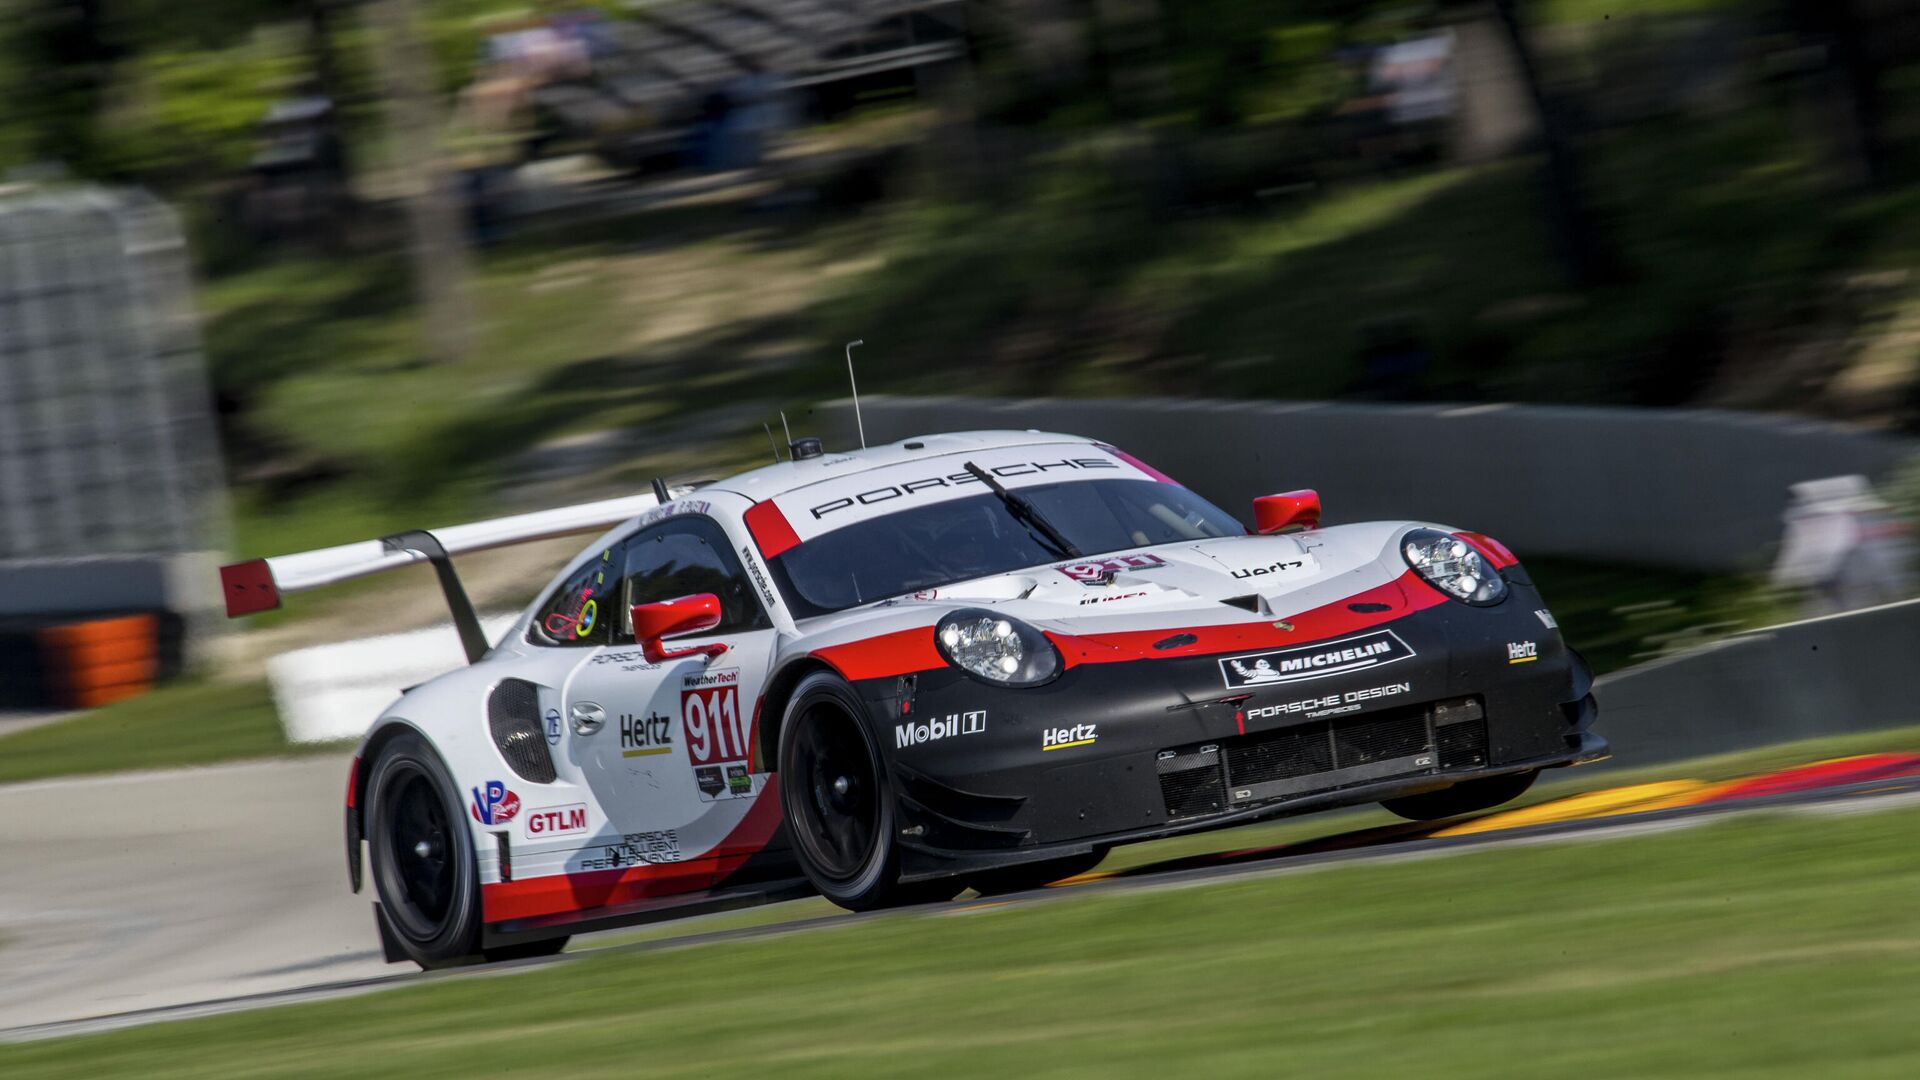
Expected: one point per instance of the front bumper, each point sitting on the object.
(1120, 752)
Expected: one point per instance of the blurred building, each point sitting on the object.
(111, 493)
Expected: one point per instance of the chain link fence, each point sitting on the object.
(112, 498)
(107, 443)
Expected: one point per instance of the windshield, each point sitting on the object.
(962, 539)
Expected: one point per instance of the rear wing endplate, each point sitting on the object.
(256, 586)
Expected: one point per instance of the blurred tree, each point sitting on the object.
(68, 66)
(60, 55)
(1582, 246)
(1844, 85)
(416, 125)
(1132, 43)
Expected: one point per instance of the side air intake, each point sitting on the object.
(513, 715)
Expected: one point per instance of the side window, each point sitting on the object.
(585, 608)
(691, 555)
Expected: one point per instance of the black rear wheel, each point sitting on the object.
(422, 855)
(838, 800)
(1463, 798)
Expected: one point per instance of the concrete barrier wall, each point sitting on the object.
(335, 692)
(1696, 489)
(1832, 676)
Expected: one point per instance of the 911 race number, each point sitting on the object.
(710, 715)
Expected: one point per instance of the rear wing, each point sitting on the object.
(257, 585)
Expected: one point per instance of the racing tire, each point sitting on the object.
(839, 802)
(1034, 875)
(421, 855)
(1463, 798)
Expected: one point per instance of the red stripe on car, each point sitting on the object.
(1138, 464)
(770, 528)
(898, 653)
(557, 894)
(1495, 551)
(1394, 600)
(906, 651)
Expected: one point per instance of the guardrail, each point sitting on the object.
(1829, 676)
(1684, 488)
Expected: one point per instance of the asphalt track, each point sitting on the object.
(223, 889)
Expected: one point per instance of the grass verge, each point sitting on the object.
(1773, 945)
(190, 723)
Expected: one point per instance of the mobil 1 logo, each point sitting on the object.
(933, 729)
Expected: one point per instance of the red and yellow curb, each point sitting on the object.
(1607, 802)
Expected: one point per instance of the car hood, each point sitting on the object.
(1206, 582)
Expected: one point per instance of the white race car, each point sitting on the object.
(977, 659)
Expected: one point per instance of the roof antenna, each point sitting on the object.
(770, 442)
(660, 491)
(852, 345)
(788, 432)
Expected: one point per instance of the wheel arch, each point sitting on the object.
(384, 731)
(773, 706)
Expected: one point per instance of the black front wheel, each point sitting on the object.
(1464, 797)
(838, 800)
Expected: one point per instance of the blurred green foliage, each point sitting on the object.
(170, 93)
(1620, 615)
(186, 723)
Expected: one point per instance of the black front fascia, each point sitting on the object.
(1123, 750)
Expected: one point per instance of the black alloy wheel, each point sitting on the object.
(839, 803)
(422, 855)
(422, 844)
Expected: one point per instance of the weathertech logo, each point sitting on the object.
(905, 735)
(1065, 737)
(1356, 653)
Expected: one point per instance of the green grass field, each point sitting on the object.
(1557, 785)
(1773, 945)
(189, 723)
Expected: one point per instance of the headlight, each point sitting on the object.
(1453, 566)
(996, 648)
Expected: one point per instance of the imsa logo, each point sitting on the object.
(1357, 653)
(935, 729)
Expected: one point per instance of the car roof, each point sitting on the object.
(771, 480)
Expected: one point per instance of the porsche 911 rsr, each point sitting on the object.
(977, 659)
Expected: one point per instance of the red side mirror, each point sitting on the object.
(681, 615)
(1286, 511)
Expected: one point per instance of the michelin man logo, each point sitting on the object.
(1261, 672)
(1315, 661)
